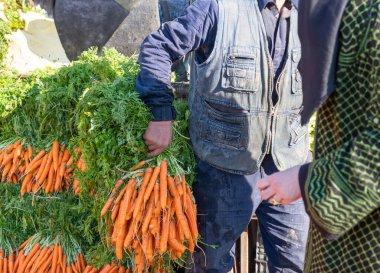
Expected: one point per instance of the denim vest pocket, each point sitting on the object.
(297, 131)
(239, 69)
(224, 128)
(296, 75)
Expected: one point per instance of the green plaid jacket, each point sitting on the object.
(342, 190)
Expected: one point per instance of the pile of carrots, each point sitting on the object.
(48, 171)
(152, 215)
(41, 257)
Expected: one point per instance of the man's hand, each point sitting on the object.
(158, 136)
(282, 187)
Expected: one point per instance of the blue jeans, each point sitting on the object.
(226, 203)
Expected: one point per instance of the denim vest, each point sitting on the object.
(233, 122)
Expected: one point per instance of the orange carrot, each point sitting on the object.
(25, 243)
(124, 205)
(11, 263)
(88, 269)
(31, 262)
(6, 170)
(121, 195)
(42, 166)
(181, 236)
(73, 268)
(41, 258)
(29, 186)
(163, 183)
(139, 200)
(151, 184)
(115, 212)
(30, 151)
(50, 182)
(45, 172)
(1, 158)
(191, 217)
(63, 263)
(4, 265)
(111, 198)
(176, 245)
(69, 269)
(120, 242)
(137, 166)
(115, 231)
(150, 248)
(33, 251)
(122, 223)
(148, 216)
(181, 218)
(172, 187)
(105, 268)
(58, 178)
(82, 262)
(55, 151)
(132, 208)
(45, 265)
(27, 180)
(141, 266)
(183, 184)
(37, 158)
(164, 233)
(178, 185)
(20, 259)
(33, 166)
(113, 269)
(129, 236)
(8, 158)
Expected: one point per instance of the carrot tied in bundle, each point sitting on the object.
(152, 216)
(39, 254)
(51, 171)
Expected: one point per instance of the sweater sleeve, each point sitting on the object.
(343, 187)
(194, 29)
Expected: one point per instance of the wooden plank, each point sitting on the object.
(244, 252)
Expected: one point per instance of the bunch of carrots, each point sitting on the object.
(152, 215)
(38, 255)
(49, 171)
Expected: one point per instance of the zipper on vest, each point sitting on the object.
(270, 81)
(274, 108)
(269, 142)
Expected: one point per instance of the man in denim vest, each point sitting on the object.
(245, 105)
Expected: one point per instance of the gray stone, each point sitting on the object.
(141, 20)
(82, 24)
